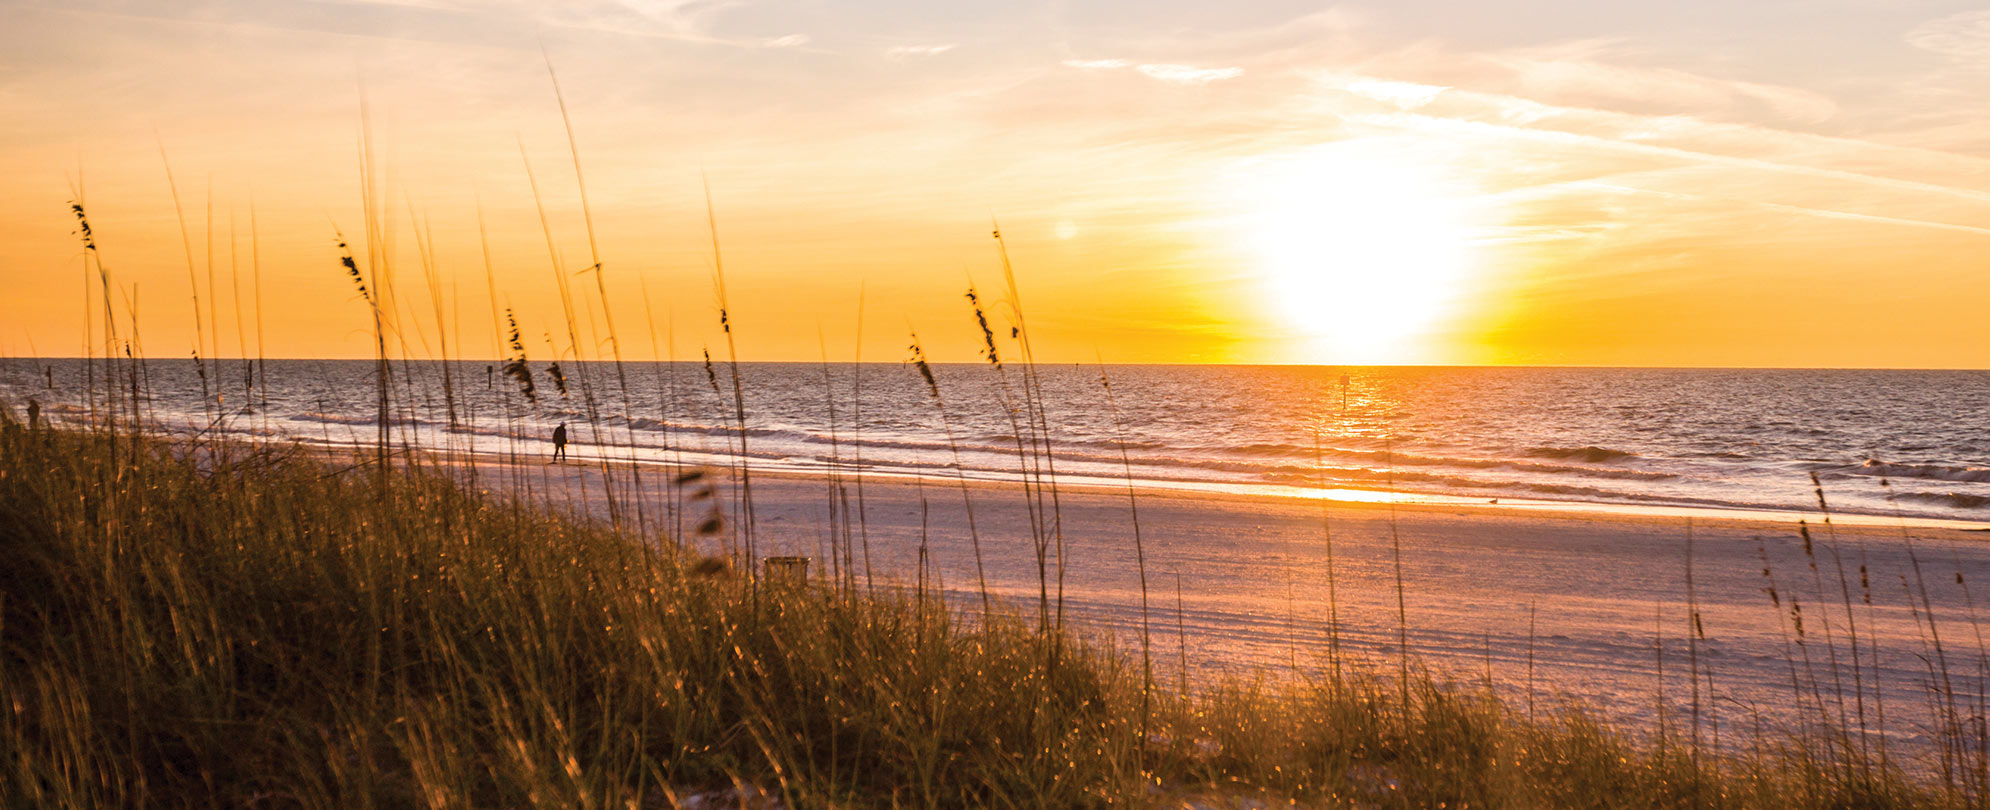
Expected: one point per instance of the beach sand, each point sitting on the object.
(1605, 592)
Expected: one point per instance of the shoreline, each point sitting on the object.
(1335, 497)
(1947, 498)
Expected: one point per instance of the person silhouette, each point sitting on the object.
(34, 413)
(560, 443)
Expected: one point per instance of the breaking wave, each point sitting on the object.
(1590, 453)
(1935, 472)
(1953, 500)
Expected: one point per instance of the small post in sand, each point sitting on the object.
(786, 570)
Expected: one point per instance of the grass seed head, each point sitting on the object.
(925, 370)
(516, 367)
(83, 227)
(352, 269)
(987, 334)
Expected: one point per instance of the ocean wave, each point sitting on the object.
(1259, 458)
(646, 424)
(1154, 457)
(1269, 449)
(1937, 472)
(1333, 477)
(1375, 465)
(352, 419)
(1451, 485)
(1955, 500)
(1509, 464)
(1589, 452)
(1007, 441)
(1106, 444)
(1393, 477)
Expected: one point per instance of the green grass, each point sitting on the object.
(222, 625)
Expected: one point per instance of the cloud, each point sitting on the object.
(1560, 153)
(903, 51)
(1677, 140)
(789, 41)
(1601, 74)
(1187, 74)
(1405, 95)
(1177, 74)
(1096, 64)
(1963, 37)
(687, 20)
(1581, 73)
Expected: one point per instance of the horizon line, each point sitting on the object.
(1548, 366)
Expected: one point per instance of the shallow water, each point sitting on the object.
(1680, 437)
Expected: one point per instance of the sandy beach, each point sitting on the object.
(1605, 592)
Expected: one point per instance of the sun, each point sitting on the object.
(1361, 253)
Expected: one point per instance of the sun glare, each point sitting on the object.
(1360, 253)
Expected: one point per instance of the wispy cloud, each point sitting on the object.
(1177, 74)
(1405, 95)
(1804, 210)
(1687, 140)
(1590, 73)
(904, 51)
(686, 20)
(789, 41)
(1964, 37)
(1188, 74)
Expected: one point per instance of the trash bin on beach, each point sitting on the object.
(786, 570)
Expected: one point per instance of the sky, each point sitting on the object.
(1550, 182)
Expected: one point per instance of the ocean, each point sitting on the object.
(1722, 439)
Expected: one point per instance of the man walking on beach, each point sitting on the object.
(560, 443)
(34, 414)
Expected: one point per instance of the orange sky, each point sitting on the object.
(1421, 182)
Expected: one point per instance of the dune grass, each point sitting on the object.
(229, 625)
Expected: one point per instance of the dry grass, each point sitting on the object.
(218, 625)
